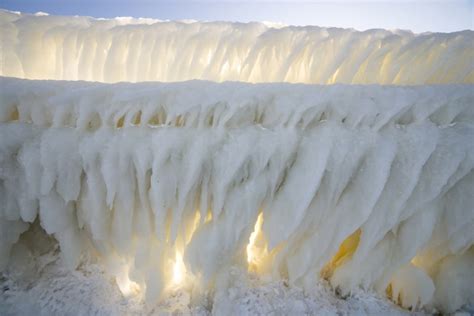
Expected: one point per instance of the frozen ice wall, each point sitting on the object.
(82, 48)
(367, 186)
(170, 184)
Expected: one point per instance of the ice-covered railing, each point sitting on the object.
(82, 48)
(363, 185)
(201, 104)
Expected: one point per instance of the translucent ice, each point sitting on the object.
(82, 48)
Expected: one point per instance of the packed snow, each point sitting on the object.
(126, 49)
(177, 184)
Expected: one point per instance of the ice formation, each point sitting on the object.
(170, 184)
(82, 48)
(146, 173)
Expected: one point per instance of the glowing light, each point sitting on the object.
(347, 248)
(253, 251)
(344, 253)
(126, 286)
(179, 270)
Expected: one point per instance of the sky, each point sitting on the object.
(418, 16)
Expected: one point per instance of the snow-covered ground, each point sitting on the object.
(40, 284)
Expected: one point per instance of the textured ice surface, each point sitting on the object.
(367, 186)
(125, 49)
(179, 185)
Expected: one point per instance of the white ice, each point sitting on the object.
(126, 49)
(169, 185)
(367, 186)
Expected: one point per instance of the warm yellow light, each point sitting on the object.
(253, 251)
(126, 286)
(347, 248)
(344, 253)
(179, 269)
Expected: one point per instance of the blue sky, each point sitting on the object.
(418, 16)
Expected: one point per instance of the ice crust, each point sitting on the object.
(368, 186)
(126, 49)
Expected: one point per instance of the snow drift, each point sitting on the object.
(367, 186)
(125, 49)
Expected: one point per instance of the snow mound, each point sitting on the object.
(126, 49)
(170, 185)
